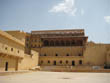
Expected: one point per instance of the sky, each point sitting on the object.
(27, 15)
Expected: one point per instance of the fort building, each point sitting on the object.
(59, 47)
(12, 53)
(51, 49)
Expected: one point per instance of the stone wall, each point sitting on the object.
(96, 55)
(12, 63)
(62, 55)
(12, 55)
(18, 34)
(29, 61)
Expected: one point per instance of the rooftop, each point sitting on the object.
(70, 31)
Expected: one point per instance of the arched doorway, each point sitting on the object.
(73, 63)
(73, 43)
(54, 63)
(57, 43)
(6, 66)
(68, 43)
(62, 43)
(52, 43)
(46, 43)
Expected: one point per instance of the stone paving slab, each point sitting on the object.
(4, 73)
(56, 77)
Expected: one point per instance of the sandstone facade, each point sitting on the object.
(58, 48)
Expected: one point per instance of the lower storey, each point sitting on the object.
(61, 61)
(8, 64)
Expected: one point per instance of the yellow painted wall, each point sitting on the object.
(12, 63)
(108, 59)
(6, 45)
(16, 58)
(29, 61)
(62, 51)
(95, 55)
(58, 59)
(62, 55)
(18, 34)
(9, 55)
(108, 55)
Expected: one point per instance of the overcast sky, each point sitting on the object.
(27, 15)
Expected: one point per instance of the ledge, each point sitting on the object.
(4, 54)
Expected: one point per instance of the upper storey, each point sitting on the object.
(11, 46)
(72, 37)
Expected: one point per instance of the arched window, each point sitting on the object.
(45, 55)
(80, 42)
(51, 43)
(67, 43)
(35, 46)
(54, 62)
(11, 49)
(48, 61)
(73, 63)
(56, 55)
(46, 43)
(62, 43)
(18, 51)
(57, 43)
(41, 62)
(80, 54)
(5, 48)
(60, 62)
(80, 62)
(67, 55)
(73, 42)
(66, 62)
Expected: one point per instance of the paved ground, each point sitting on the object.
(56, 77)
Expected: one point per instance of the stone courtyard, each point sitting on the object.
(56, 77)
